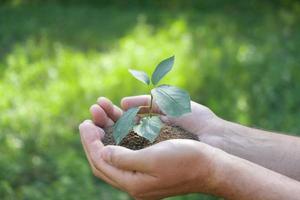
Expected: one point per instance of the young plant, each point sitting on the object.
(171, 100)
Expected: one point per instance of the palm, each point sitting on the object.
(198, 121)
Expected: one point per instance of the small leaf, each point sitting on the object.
(140, 75)
(162, 69)
(172, 100)
(149, 128)
(124, 124)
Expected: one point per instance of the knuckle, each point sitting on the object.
(114, 159)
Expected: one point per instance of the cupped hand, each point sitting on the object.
(166, 169)
(201, 121)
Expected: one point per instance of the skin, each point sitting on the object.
(274, 151)
(182, 166)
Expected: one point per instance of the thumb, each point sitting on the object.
(123, 158)
(171, 120)
(137, 101)
(187, 122)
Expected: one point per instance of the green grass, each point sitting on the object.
(243, 62)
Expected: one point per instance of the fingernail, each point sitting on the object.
(87, 121)
(99, 99)
(94, 106)
(165, 119)
(82, 124)
(91, 109)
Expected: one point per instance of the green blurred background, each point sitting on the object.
(240, 58)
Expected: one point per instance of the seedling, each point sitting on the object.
(171, 100)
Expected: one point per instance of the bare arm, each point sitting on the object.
(241, 179)
(278, 152)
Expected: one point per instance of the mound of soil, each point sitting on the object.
(136, 142)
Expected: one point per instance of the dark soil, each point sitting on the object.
(136, 142)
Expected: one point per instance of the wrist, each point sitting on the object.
(209, 178)
(224, 175)
(220, 171)
(215, 133)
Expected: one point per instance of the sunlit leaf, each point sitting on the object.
(140, 75)
(172, 100)
(149, 128)
(124, 124)
(162, 69)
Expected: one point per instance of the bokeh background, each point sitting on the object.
(240, 58)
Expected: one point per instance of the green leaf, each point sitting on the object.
(172, 100)
(149, 128)
(124, 125)
(140, 75)
(162, 69)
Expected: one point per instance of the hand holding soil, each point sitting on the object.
(165, 169)
(200, 121)
(194, 125)
(182, 166)
(174, 161)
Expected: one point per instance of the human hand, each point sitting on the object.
(180, 162)
(166, 169)
(201, 121)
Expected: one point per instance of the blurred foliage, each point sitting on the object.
(240, 59)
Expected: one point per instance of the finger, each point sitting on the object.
(94, 147)
(190, 121)
(98, 173)
(99, 116)
(99, 130)
(126, 159)
(136, 101)
(169, 120)
(127, 178)
(83, 129)
(111, 110)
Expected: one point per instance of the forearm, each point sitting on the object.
(241, 179)
(280, 153)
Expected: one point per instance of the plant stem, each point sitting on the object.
(151, 105)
